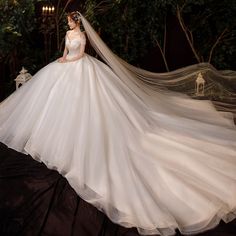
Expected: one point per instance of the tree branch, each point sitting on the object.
(191, 35)
(184, 28)
(183, 6)
(215, 44)
(164, 43)
(163, 55)
(64, 9)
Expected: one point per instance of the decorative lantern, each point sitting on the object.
(199, 85)
(22, 78)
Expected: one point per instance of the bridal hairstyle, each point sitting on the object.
(75, 16)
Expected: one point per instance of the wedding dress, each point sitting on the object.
(156, 162)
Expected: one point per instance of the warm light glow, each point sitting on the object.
(48, 10)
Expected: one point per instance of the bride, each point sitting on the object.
(148, 158)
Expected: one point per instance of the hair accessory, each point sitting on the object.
(76, 16)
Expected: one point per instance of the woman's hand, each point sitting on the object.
(74, 58)
(62, 60)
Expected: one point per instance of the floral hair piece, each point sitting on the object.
(75, 16)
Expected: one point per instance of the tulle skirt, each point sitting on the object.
(156, 169)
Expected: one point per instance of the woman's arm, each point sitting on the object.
(82, 49)
(65, 52)
(63, 58)
(81, 53)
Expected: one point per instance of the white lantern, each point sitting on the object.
(199, 85)
(22, 78)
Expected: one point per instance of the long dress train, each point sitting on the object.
(154, 169)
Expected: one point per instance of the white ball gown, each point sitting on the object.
(156, 170)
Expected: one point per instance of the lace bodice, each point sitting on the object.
(73, 44)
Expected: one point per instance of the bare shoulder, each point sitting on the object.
(68, 32)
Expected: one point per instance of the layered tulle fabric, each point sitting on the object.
(155, 164)
(148, 85)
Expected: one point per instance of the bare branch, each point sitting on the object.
(229, 39)
(164, 43)
(191, 36)
(103, 6)
(215, 44)
(163, 55)
(184, 28)
(183, 6)
(64, 9)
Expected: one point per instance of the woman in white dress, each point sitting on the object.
(149, 159)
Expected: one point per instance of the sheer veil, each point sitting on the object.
(147, 85)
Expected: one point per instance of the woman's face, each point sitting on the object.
(71, 23)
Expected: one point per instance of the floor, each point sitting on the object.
(37, 201)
